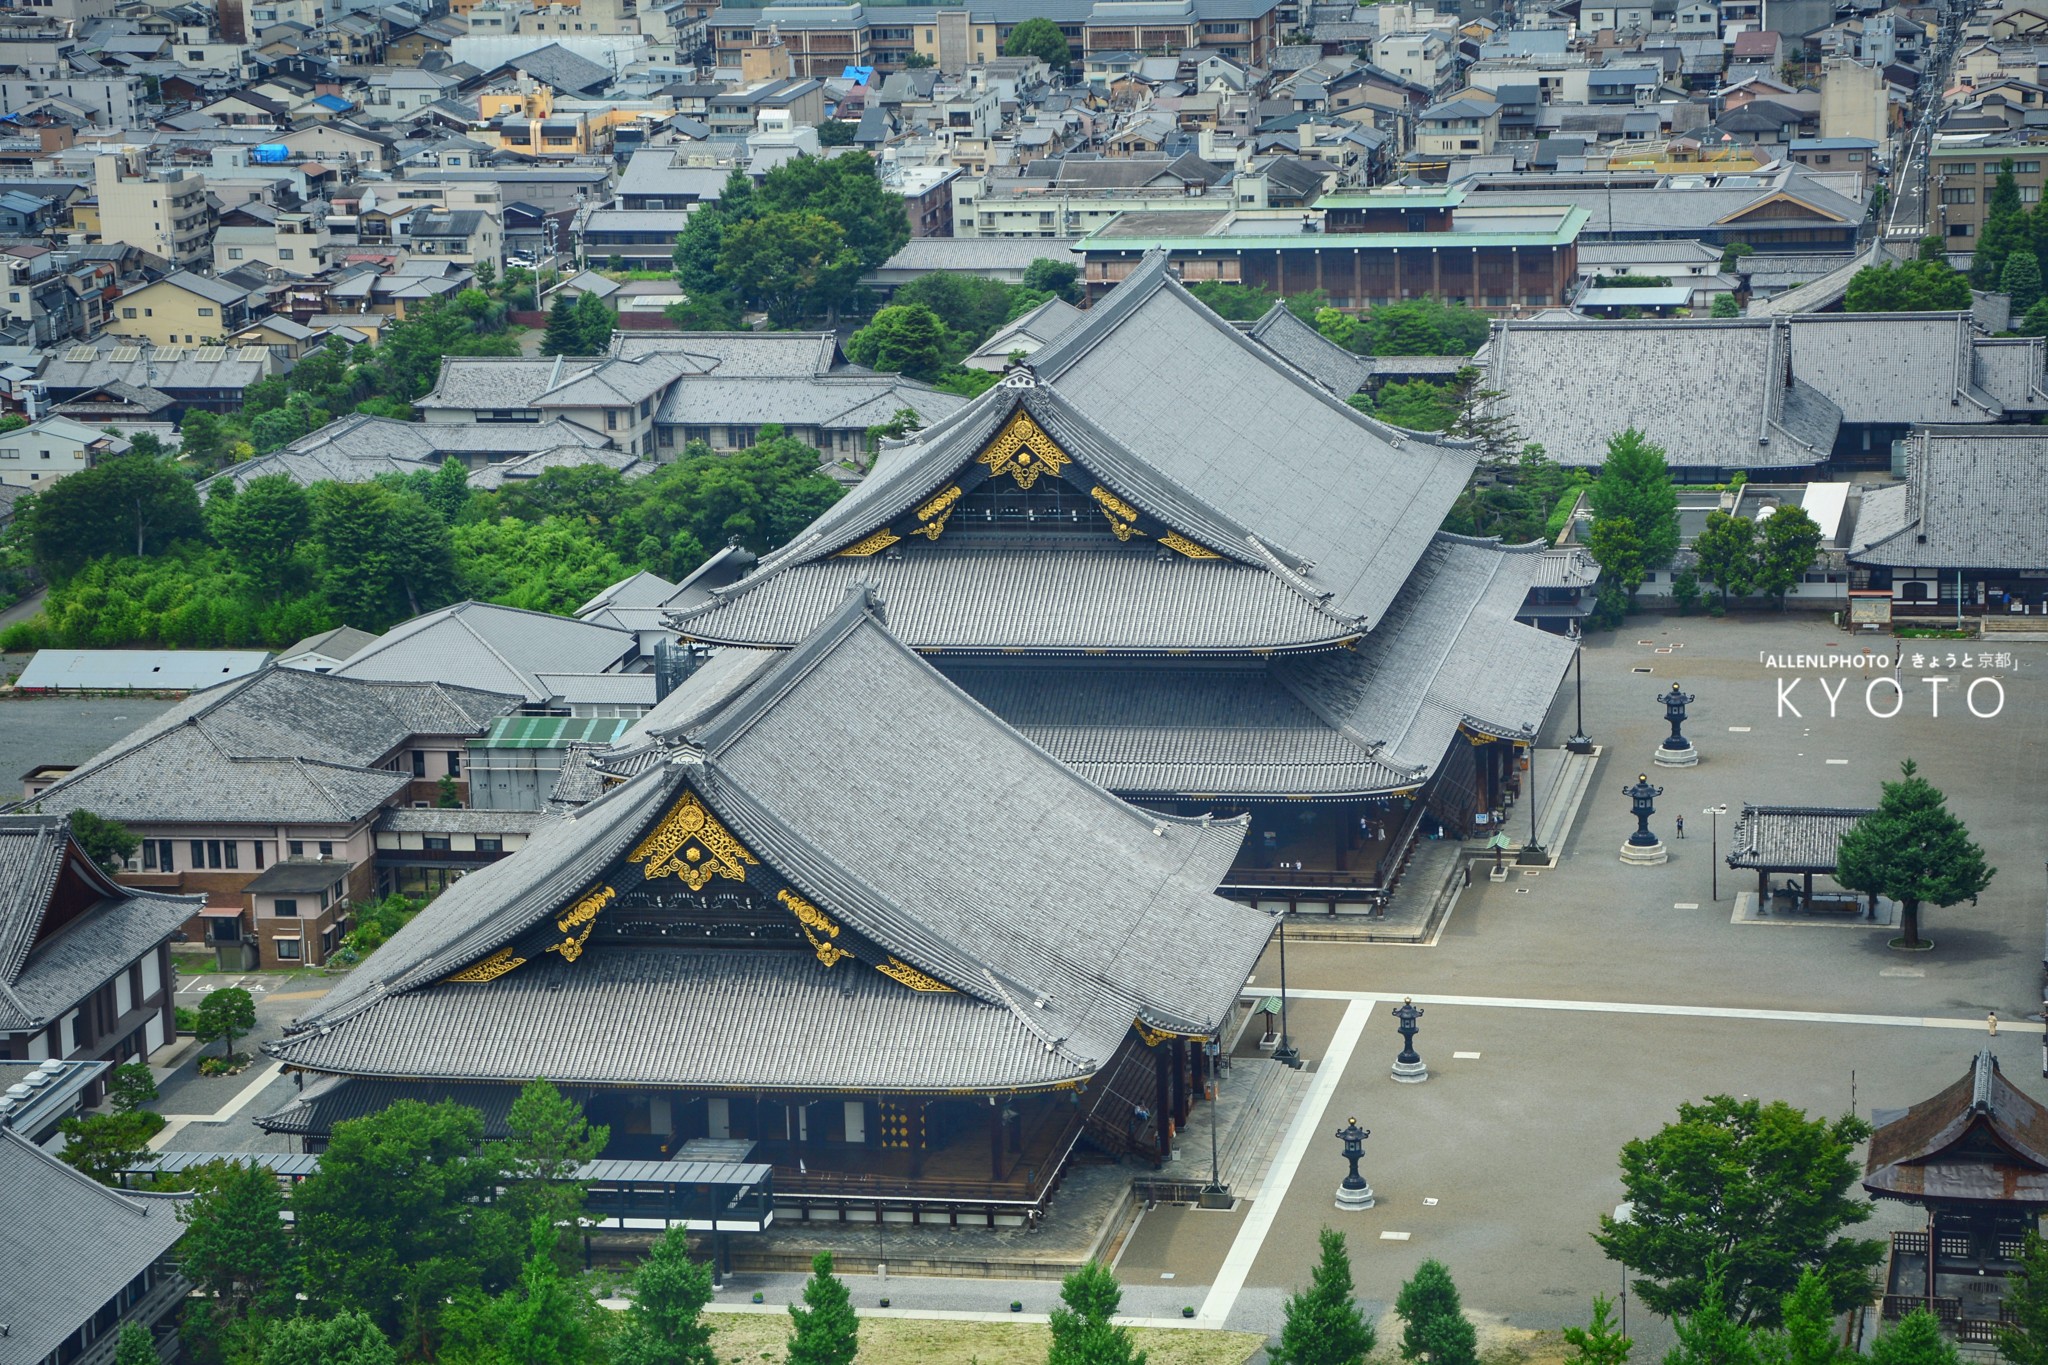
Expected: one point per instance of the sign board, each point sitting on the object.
(1870, 609)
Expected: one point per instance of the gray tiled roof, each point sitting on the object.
(68, 1245)
(1974, 498)
(970, 590)
(492, 382)
(616, 381)
(1216, 416)
(501, 649)
(1790, 838)
(745, 354)
(281, 744)
(1708, 392)
(436, 820)
(1341, 371)
(495, 476)
(329, 1100)
(1054, 943)
(838, 401)
(643, 588)
(2012, 371)
(1892, 367)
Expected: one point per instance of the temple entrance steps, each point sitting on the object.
(1251, 1136)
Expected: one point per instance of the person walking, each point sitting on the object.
(1681, 826)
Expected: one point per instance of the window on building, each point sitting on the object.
(2026, 168)
(487, 844)
(284, 253)
(435, 842)
(206, 312)
(297, 848)
(127, 312)
(1958, 194)
(285, 908)
(258, 846)
(288, 950)
(611, 420)
(326, 849)
(455, 763)
(419, 763)
(198, 853)
(229, 855)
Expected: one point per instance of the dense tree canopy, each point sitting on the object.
(1913, 849)
(1040, 38)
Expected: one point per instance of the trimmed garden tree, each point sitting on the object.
(1323, 1324)
(226, 1014)
(824, 1331)
(1599, 1342)
(1912, 850)
(1082, 1333)
(1434, 1327)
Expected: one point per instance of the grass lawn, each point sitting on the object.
(752, 1338)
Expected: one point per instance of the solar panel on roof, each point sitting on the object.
(82, 353)
(125, 354)
(170, 353)
(209, 355)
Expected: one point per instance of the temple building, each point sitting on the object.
(1195, 575)
(828, 906)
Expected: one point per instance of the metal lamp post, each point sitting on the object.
(1676, 751)
(1643, 848)
(1285, 1054)
(1408, 1065)
(1624, 1212)
(1714, 814)
(1578, 743)
(1215, 1195)
(1354, 1192)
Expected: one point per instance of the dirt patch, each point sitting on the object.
(759, 1339)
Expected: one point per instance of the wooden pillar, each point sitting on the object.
(1198, 1056)
(1807, 904)
(1161, 1096)
(1515, 275)
(995, 1139)
(1436, 273)
(1478, 297)
(1180, 1080)
(917, 1140)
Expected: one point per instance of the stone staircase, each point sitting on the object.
(1251, 1138)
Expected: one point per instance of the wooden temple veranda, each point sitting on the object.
(1797, 841)
(1975, 1158)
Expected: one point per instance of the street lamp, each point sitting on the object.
(1624, 1212)
(1285, 1054)
(1578, 743)
(1643, 848)
(1676, 751)
(1215, 1195)
(1714, 814)
(1408, 1065)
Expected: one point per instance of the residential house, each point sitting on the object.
(37, 455)
(469, 236)
(84, 961)
(278, 766)
(1466, 124)
(182, 309)
(166, 213)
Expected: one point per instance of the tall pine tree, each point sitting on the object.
(1434, 1329)
(1323, 1324)
(2006, 230)
(1082, 1333)
(565, 332)
(824, 1331)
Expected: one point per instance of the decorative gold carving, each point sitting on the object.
(1152, 1037)
(1023, 451)
(706, 848)
(585, 909)
(1120, 513)
(491, 968)
(814, 922)
(910, 976)
(879, 541)
(934, 513)
(571, 947)
(1174, 540)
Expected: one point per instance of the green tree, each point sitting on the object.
(825, 1330)
(2024, 1340)
(1789, 544)
(549, 1140)
(970, 307)
(1708, 1336)
(836, 132)
(1726, 551)
(262, 527)
(107, 842)
(1434, 1328)
(126, 504)
(1753, 1193)
(104, 1145)
(564, 334)
(1731, 256)
(2021, 278)
(204, 439)
(446, 796)
(134, 1346)
(902, 339)
(1726, 306)
(665, 1324)
(1323, 1325)
(1417, 405)
(2035, 321)
(376, 921)
(1599, 1342)
(348, 1338)
(1916, 286)
(1062, 278)
(1619, 551)
(1808, 1336)
(447, 490)
(1234, 302)
(595, 322)
(1915, 1339)
(1635, 483)
(390, 1223)
(2005, 229)
(553, 565)
(795, 265)
(408, 359)
(1685, 590)
(384, 555)
(704, 313)
(1082, 1330)
(1914, 851)
(227, 1014)
(540, 1320)
(848, 190)
(236, 1246)
(1040, 38)
(130, 1086)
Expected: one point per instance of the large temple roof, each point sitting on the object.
(995, 920)
(1350, 722)
(1980, 1140)
(1220, 502)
